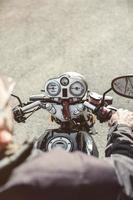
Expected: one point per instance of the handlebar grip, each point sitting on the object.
(103, 113)
(30, 106)
(19, 112)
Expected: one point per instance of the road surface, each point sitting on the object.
(43, 38)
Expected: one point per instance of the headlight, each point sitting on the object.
(77, 88)
(53, 88)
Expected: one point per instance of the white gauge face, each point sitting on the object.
(53, 88)
(77, 89)
(64, 81)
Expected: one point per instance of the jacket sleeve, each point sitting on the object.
(61, 175)
(120, 148)
(120, 141)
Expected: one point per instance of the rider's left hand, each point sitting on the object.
(6, 119)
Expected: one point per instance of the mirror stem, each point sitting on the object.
(102, 103)
(17, 99)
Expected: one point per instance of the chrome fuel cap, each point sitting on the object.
(60, 143)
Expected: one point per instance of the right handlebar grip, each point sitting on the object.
(104, 114)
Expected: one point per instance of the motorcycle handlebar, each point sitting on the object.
(86, 104)
(39, 97)
(103, 113)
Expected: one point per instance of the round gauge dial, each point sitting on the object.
(77, 89)
(64, 81)
(53, 88)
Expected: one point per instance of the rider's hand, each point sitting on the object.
(5, 139)
(122, 116)
(6, 125)
(6, 119)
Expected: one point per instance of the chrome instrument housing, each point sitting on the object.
(62, 86)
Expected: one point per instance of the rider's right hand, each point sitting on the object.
(122, 116)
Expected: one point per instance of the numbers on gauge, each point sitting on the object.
(53, 88)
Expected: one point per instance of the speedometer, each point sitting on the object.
(77, 89)
(53, 88)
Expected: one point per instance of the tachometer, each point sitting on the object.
(53, 88)
(77, 89)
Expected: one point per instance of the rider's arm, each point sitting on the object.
(61, 175)
(120, 141)
(120, 137)
(120, 148)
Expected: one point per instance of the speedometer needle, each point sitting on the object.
(76, 88)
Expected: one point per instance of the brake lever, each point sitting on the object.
(112, 108)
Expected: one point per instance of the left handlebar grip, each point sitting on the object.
(30, 106)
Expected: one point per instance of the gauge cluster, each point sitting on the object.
(66, 87)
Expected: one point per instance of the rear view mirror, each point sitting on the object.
(123, 86)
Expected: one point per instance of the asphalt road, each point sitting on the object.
(43, 38)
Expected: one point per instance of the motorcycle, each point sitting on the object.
(74, 108)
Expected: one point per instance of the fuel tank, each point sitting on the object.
(68, 140)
